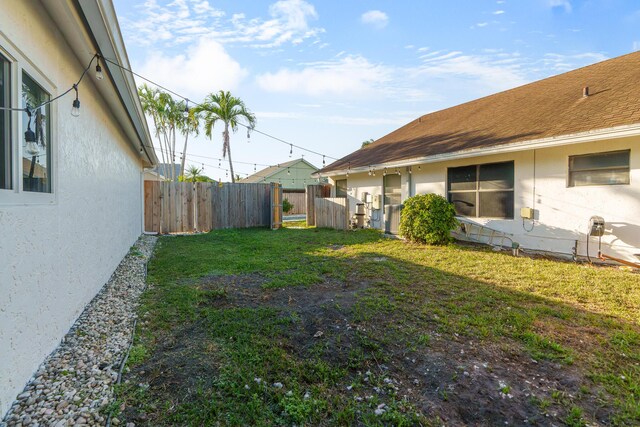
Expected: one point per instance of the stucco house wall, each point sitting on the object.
(59, 249)
(562, 212)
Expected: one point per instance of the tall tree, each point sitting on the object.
(168, 118)
(188, 125)
(225, 108)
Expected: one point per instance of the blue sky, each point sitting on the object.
(330, 74)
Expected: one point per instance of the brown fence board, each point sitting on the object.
(298, 200)
(179, 207)
(332, 212)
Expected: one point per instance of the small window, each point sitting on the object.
(341, 188)
(5, 128)
(392, 189)
(611, 168)
(36, 153)
(482, 190)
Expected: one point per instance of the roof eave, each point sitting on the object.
(556, 141)
(92, 25)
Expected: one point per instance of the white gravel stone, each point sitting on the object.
(75, 381)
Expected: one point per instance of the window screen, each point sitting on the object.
(392, 189)
(610, 168)
(5, 120)
(36, 156)
(482, 190)
(341, 188)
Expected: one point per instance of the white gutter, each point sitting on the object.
(556, 141)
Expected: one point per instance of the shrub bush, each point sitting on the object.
(286, 206)
(428, 218)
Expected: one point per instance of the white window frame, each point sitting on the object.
(598, 153)
(19, 63)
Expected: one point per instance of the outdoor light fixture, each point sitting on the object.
(185, 113)
(75, 110)
(30, 138)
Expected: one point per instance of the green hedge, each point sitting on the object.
(428, 218)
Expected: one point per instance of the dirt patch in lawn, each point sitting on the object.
(446, 378)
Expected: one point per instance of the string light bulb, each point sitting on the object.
(185, 113)
(254, 167)
(288, 171)
(385, 172)
(99, 74)
(75, 109)
(31, 145)
(290, 150)
(323, 162)
(248, 136)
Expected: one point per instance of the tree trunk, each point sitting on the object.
(226, 140)
(184, 154)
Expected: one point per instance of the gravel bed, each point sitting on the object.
(74, 383)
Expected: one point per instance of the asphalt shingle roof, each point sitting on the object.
(546, 108)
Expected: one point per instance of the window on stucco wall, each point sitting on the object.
(5, 128)
(36, 157)
(610, 168)
(341, 188)
(482, 190)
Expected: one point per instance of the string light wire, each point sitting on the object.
(198, 104)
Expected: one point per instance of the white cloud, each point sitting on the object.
(498, 12)
(185, 21)
(375, 18)
(205, 67)
(559, 63)
(487, 73)
(348, 75)
(565, 4)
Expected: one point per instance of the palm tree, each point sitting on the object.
(228, 109)
(188, 125)
(193, 174)
(167, 116)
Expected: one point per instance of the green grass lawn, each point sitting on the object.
(322, 327)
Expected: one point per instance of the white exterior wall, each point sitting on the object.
(57, 250)
(562, 212)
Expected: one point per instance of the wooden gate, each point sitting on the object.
(313, 192)
(276, 205)
(183, 207)
(332, 212)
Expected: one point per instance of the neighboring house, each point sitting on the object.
(295, 174)
(67, 222)
(167, 170)
(567, 147)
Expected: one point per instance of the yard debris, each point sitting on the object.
(318, 334)
(277, 385)
(380, 409)
(257, 380)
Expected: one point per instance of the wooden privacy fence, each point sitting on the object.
(332, 212)
(313, 192)
(298, 200)
(182, 207)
